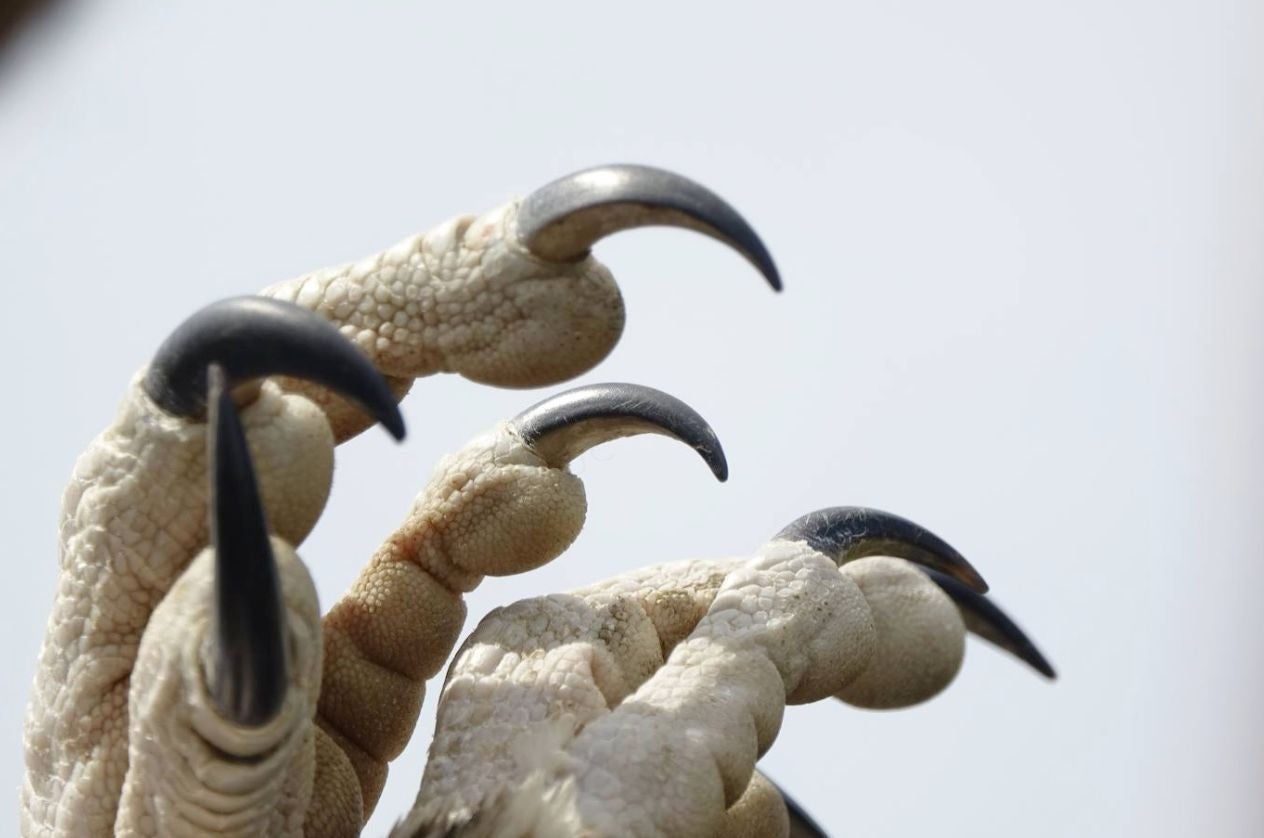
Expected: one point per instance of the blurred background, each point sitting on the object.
(1023, 257)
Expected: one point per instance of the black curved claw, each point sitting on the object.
(561, 428)
(987, 620)
(248, 671)
(845, 533)
(252, 337)
(562, 220)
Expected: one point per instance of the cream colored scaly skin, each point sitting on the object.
(640, 706)
(133, 517)
(493, 508)
(178, 780)
(466, 297)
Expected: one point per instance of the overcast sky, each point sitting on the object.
(1023, 257)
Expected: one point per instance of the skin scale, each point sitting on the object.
(390, 632)
(193, 673)
(504, 504)
(510, 298)
(639, 706)
(134, 517)
(473, 296)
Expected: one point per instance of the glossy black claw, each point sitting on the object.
(560, 221)
(561, 428)
(845, 533)
(253, 337)
(984, 618)
(248, 671)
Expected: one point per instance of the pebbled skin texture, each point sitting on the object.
(133, 517)
(637, 706)
(640, 705)
(656, 738)
(179, 782)
(493, 508)
(601, 682)
(759, 813)
(465, 297)
(920, 635)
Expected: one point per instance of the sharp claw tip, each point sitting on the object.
(714, 457)
(968, 575)
(1043, 667)
(394, 424)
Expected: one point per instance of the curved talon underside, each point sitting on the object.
(985, 618)
(560, 221)
(845, 533)
(561, 428)
(249, 670)
(254, 337)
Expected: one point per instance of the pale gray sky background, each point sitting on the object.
(1022, 247)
